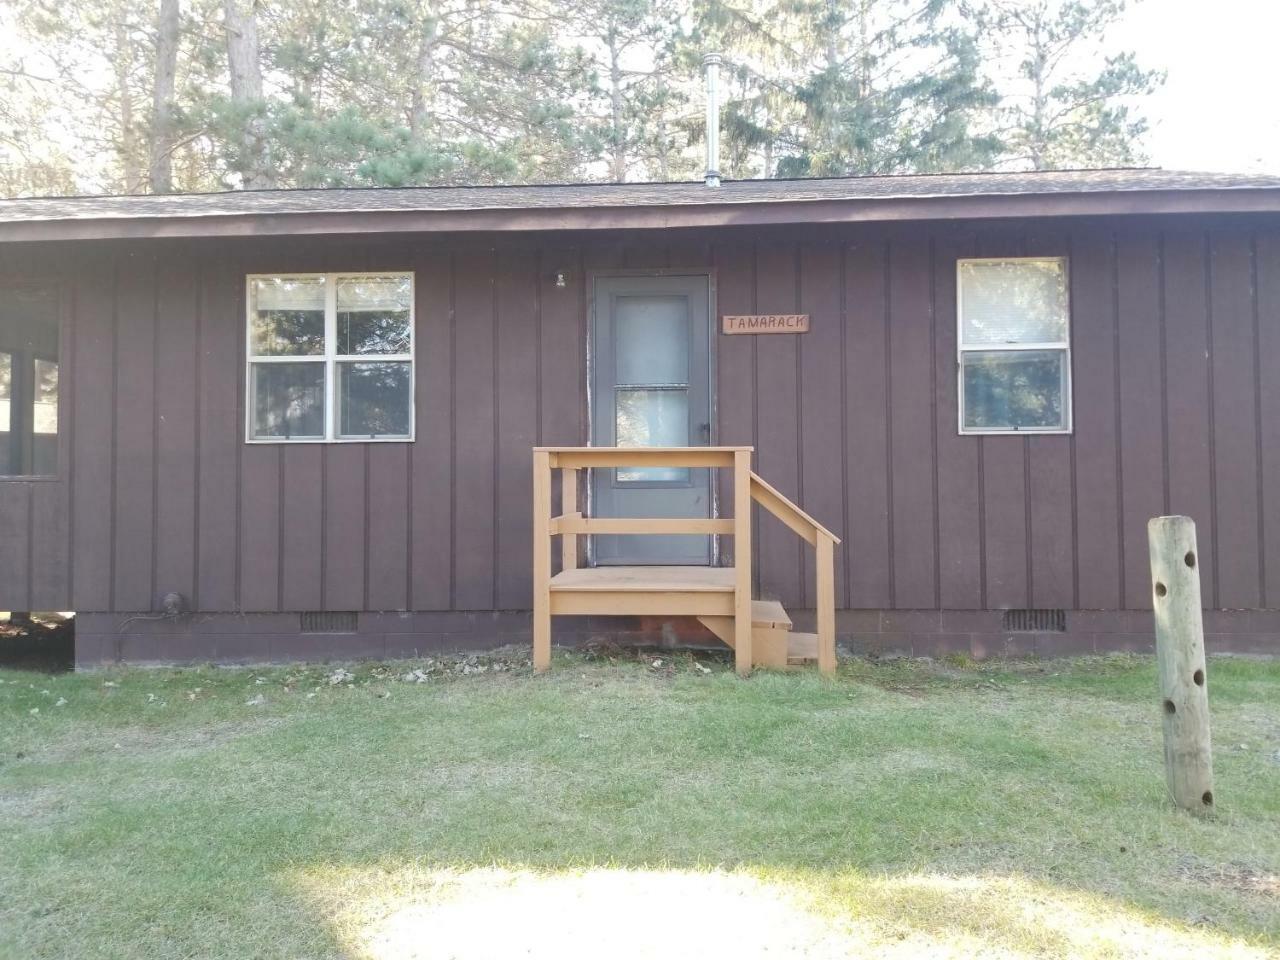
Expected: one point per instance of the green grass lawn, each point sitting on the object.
(615, 809)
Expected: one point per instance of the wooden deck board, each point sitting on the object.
(645, 580)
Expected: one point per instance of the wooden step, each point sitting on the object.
(769, 630)
(769, 613)
(765, 615)
(802, 648)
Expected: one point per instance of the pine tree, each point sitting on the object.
(858, 86)
(897, 91)
(137, 95)
(1068, 110)
(97, 57)
(761, 115)
(30, 161)
(637, 93)
(438, 91)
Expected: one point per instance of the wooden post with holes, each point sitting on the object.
(742, 619)
(569, 508)
(541, 560)
(826, 600)
(1184, 692)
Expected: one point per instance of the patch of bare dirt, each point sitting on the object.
(1231, 876)
(133, 741)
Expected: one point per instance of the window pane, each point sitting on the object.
(28, 382)
(651, 339)
(44, 418)
(6, 389)
(374, 399)
(373, 315)
(1013, 301)
(288, 317)
(1015, 389)
(653, 418)
(7, 465)
(288, 401)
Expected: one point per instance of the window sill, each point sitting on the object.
(39, 478)
(1016, 433)
(345, 441)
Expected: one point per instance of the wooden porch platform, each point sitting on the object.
(644, 591)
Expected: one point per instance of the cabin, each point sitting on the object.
(916, 414)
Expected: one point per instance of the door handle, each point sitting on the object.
(705, 430)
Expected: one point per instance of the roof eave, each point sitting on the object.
(655, 217)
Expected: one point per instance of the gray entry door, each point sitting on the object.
(650, 388)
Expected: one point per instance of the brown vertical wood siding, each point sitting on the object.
(1176, 355)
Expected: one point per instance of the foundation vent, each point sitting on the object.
(1034, 621)
(327, 621)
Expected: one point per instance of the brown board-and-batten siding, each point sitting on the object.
(1176, 358)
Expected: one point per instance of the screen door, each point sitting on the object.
(651, 372)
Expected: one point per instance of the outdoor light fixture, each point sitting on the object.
(561, 281)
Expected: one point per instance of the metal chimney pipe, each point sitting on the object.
(712, 64)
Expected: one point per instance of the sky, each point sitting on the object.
(1217, 110)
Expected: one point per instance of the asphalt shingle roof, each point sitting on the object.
(624, 195)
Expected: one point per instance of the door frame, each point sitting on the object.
(713, 392)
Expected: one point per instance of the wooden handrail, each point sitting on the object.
(776, 503)
(576, 523)
(579, 457)
(824, 542)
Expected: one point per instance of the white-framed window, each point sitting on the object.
(1013, 345)
(330, 357)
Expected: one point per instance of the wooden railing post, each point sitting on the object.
(825, 548)
(742, 620)
(541, 560)
(569, 508)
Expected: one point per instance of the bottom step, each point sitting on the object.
(766, 615)
(772, 642)
(802, 648)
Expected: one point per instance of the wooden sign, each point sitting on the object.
(766, 323)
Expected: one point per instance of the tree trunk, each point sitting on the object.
(618, 137)
(162, 132)
(1038, 138)
(769, 137)
(424, 84)
(664, 162)
(126, 145)
(864, 50)
(245, 72)
(833, 36)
